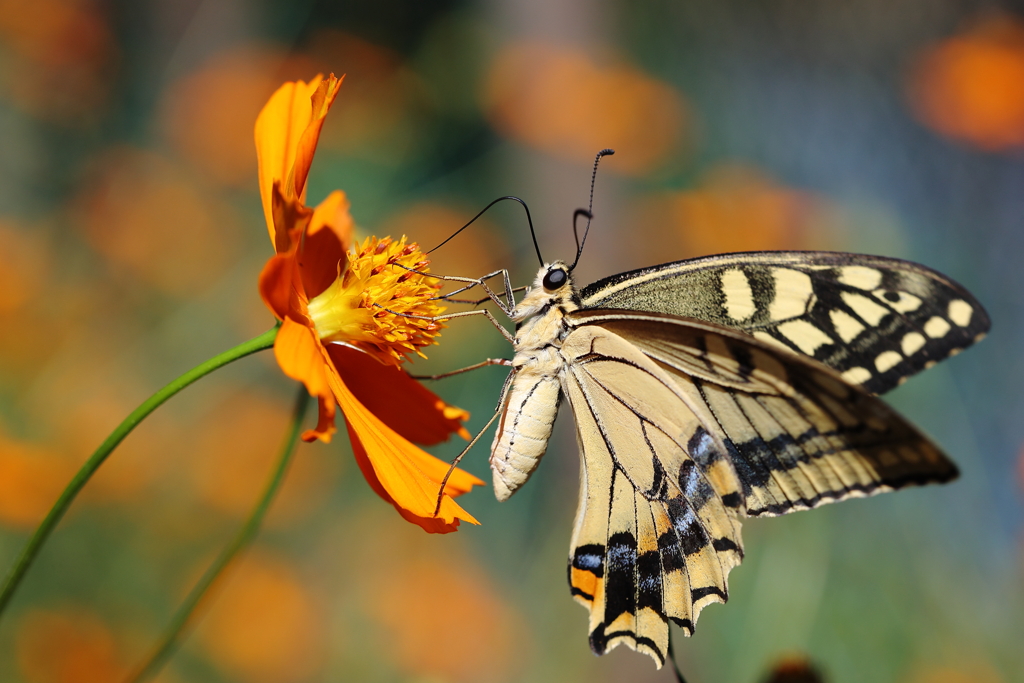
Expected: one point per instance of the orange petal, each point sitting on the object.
(280, 286)
(401, 402)
(410, 477)
(279, 133)
(431, 525)
(320, 104)
(323, 254)
(301, 356)
(291, 219)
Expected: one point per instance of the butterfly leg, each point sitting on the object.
(477, 302)
(455, 462)
(450, 316)
(505, 306)
(509, 292)
(482, 364)
(498, 411)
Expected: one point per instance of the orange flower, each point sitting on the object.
(335, 337)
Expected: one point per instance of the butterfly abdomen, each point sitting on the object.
(532, 403)
(525, 427)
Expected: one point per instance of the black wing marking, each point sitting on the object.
(875, 320)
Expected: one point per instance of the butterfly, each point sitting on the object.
(706, 391)
(713, 389)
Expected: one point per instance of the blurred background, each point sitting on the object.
(131, 236)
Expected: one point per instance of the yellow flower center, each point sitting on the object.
(369, 304)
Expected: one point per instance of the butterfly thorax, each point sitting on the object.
(540, 317)
(533, 397)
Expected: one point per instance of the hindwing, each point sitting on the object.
(684, 426)
(875, 320)
(654, 538)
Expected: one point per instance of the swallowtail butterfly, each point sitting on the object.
(709, 390)
(713, 389)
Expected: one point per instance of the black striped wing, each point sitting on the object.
(875, 320)
(684, 427)
(655, 536)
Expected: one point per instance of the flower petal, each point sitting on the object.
(408, 475)
(320, 103)
(323, 252)
(291, 219)
(279, 128)
(279, 286)
(397, 399)
(301, 356)
(432, 525)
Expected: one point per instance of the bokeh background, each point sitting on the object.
(131, 236)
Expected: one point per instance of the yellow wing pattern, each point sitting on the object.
(685, 426)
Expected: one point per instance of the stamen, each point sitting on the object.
(383, 310)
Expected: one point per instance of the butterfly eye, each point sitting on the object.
(555, 279)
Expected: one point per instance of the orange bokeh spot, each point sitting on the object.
(444, 618)
(81, 426)
(207, 115)
(55, 32)
(39, 309)
(147, 216)
(238, 444)
(264, 625)
(735, 208)
(560, 102)
(31, 478)
(972, 672)
(59, 57)
(66, 647)
(377, 116)
(971, 87)
(23, 265)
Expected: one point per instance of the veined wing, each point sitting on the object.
(875, 320)
(654, 537)
(797, 435)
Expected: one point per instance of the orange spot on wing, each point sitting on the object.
(586, 582)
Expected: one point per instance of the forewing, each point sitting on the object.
(874, 320)
(797, 434)
(654, 538)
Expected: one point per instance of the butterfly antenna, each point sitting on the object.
(529, 219)
(589, 212)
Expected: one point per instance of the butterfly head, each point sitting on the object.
(552, 290)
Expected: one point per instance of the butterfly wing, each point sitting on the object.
(796, 434)
(875, 320)
(654, 538)
(683, 426)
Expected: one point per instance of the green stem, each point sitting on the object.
(53, 517)
(169, 641)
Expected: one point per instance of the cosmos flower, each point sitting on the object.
(335, 336)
